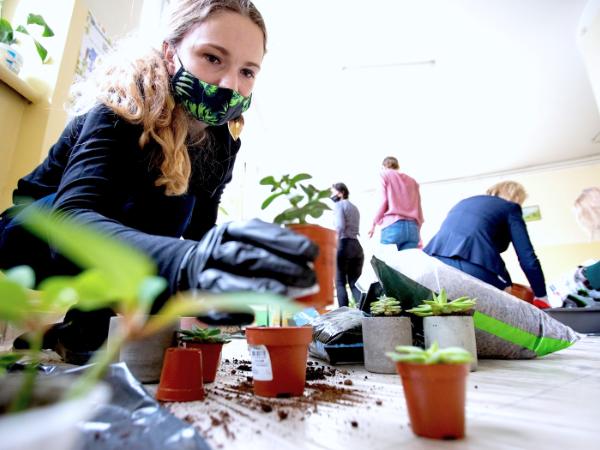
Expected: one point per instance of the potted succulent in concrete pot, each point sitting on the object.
(306, 200)
(434, 382)
(9, 53)
(210, 342)
(382, 331)
(449, 323)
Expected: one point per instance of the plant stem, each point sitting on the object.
(100, 362)
(23, 398)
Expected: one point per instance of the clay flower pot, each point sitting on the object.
(211, 359)
(326, 240)
(435, 397)
(181, 376)
(279, 358)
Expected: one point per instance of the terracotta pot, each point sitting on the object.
(211, 359)
(181, 376)
(435, 397)
(521, 291)
(279, 359)
(326, 240)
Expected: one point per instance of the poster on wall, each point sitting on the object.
(95, 43)
(531, 213)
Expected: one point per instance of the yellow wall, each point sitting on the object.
(557, 239)
(29, 129)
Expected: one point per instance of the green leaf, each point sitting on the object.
(23, 275)
(58, 294)
(270, 199)
(41, 50)
(13, 301)
(269, 180)
(6, 360)
(6, 32)
(124, 267)
(36, 19)
(300, 177)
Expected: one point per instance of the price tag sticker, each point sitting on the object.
(261, 363)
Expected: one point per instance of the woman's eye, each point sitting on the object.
(248, 73)
(212, 58)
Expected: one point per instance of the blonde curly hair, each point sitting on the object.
(134, 83)
(587, 210)
(508, 190)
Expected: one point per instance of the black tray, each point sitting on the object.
(582, 320)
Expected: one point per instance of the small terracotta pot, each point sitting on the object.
(521, 291)
(435, 397)
(326, 240)
(181, 376)
(279, 359)
(211, 359)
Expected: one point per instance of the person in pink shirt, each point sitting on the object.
(399, 214)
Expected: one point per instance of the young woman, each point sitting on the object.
(399, 214)
(148, 161)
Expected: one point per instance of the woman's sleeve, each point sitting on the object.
(89, 186)
(527, 258)
(383, 202)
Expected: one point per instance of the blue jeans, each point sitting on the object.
(403, 233)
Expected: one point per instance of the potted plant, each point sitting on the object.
(114, 275)
(306, 200)
(382, 331)
(210, 342)
(450, 324)
(434, 383)
(8, 51)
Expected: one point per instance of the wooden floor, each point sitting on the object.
(547, 403)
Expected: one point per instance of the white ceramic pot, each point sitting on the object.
(451, 331)
(381, 335)
(11, 57)
(49, 427)
(144, 357)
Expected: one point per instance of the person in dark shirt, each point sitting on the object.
(478, 229)
(147, 162)
(350, 255)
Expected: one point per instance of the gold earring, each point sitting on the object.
(235, 127)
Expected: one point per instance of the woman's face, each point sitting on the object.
(226, 50)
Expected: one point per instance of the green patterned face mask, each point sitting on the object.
(208, 103)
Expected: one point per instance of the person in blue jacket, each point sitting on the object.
(146, 161)
(478, 229)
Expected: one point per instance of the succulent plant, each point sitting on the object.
(440, 306)
(204, 336)
(386, 306)
(432, 355)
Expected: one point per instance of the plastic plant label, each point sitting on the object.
(261, 363)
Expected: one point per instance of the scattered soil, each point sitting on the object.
(316, 372)
(378, 402)
(348, 382)
(244, 367)
(354, 424)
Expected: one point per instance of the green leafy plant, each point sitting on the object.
(204, 336)
(7, 33)
(116, 276)
(305, 199)
(386, 306)
(439, 306)
(432, 355)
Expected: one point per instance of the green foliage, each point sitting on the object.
(439, 306)
(7, 34)
(204, 336)
(432, 355)
(305, 200)
(386, 306)
(6, 360)
(114, 275)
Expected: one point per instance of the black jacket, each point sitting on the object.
(98, 172)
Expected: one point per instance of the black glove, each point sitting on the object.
(249, 256)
